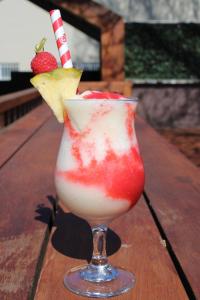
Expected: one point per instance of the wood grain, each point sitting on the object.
(173, 188)
(26, 182)
(14, 136)
(11, 100)
(142, 252)
(187, 140)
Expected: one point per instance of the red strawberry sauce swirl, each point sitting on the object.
(102, 95)
(120, 176)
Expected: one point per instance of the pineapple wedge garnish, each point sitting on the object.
(57, 86)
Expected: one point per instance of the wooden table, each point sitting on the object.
(158, 239)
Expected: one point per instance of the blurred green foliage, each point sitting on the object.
(162, 51)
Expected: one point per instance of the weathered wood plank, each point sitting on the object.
(2, 120)
(142, 252)
(11, 100)
(26, 181)
(121, 87)
(15, 135)
(173, 188)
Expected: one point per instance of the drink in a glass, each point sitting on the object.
(99, 173)
(99, 176)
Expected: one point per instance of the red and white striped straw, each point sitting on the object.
(61, 39)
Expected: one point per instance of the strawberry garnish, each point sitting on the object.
(43, 61)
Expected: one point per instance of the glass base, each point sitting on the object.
(123, 281)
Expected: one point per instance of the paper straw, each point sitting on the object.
(61, 39)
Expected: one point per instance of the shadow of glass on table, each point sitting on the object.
(72, 236)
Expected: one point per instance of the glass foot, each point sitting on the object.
(122, 282)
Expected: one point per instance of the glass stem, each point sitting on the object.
(99, 257)
(99, 270)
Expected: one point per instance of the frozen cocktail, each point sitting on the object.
(99, 173)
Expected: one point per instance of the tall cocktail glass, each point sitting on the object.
(99, 176)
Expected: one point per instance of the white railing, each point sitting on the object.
(6, 69)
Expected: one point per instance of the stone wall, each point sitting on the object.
(169, 106)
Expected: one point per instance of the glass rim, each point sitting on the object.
(134, 99)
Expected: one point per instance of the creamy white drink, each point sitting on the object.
(99, 173)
